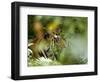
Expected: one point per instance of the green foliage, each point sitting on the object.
(73, 30)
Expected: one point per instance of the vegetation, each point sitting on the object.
(57, 40)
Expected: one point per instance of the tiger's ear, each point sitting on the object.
(58, 30)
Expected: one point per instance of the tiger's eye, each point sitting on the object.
(46, 35)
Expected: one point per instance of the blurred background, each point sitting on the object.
(73, 32)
